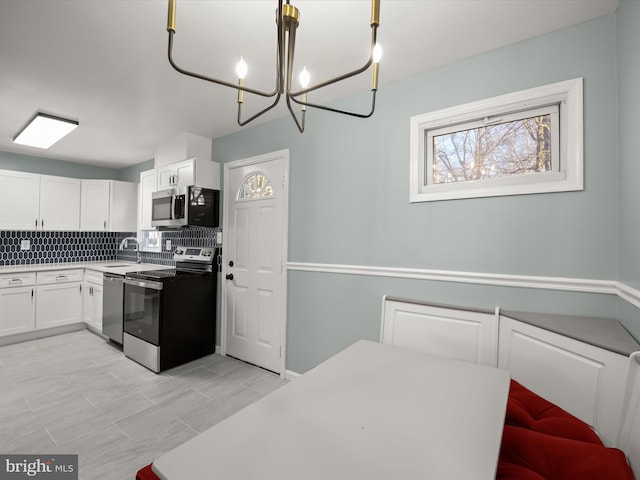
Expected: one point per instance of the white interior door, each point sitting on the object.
(254, 308)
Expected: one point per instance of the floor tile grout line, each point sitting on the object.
(122, 430)
(189, 426)
(51, 436)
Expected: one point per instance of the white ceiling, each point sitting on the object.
(104, 62)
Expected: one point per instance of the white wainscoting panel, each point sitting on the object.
(630, 428)
(461, 334)
(585, 380)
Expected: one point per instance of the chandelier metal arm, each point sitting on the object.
(290, 54)
(299, 123)
(344, 76)
(336, 110)
(171, 30)
(280, 79)
(242, 123)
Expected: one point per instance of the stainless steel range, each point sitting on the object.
(169, 315)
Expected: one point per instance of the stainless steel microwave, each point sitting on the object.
(185, 207)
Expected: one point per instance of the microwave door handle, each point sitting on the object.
(173, 207)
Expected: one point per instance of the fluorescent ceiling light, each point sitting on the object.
(44, 130)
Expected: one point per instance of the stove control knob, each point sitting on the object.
(229, 276)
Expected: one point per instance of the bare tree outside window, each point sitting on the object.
(504, 149)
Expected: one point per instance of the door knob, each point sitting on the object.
(229, 276)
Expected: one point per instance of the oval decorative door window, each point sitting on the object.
(255, 187)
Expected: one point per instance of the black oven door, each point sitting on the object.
(142, 314)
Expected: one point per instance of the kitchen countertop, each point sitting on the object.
(123, 267)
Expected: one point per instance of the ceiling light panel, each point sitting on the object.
(44, 130)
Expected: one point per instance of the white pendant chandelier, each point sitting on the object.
(287, 20)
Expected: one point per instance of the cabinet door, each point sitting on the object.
(583, 379)
(59, 203)
(94, 211)
(58, 304)
(19, 200)
(123, 210)
(17, 310)
(165, 177)
(184, 173)
(93, 305)
(148, 185)
(96, 293)
(88, 308)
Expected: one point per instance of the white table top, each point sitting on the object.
(370, 412)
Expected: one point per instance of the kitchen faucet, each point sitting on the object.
(126, 242)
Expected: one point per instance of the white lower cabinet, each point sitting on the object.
(58, 298)
(93, 299)
(18, 310)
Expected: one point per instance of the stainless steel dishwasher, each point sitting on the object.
(112, 306)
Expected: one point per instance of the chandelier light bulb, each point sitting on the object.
(304, 78)
(241, 69)
(377, 53)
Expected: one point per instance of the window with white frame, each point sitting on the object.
(520, 143)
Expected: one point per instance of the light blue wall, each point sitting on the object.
(629, 153)
(132, 174)
(49, 166)
(628, 21)
(349, 198)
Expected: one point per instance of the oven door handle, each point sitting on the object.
(143, 284)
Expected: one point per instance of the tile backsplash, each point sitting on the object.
(62, 247)
(187, 237)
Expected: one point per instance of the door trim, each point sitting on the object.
(277, 155)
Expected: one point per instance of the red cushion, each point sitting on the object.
(146, 474)
(527, 410)
(529, 455)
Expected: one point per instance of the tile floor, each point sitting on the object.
(76, 393)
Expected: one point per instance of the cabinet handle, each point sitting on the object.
(15, 280)
(36, 223)
(61, 277)
(42, 223)
(105, 224)
(32, 294)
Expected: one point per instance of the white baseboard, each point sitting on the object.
(291, 375)
(36, 334)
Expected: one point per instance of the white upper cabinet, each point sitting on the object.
(123, 206)
(108, 205)
(19, 200)
(148, 185)
(95, 205)
(59, 203)
(38, 202)
(165, 177)
(194, 171)
(186, 160)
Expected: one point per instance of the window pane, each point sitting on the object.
(516, 147)
(255, 186)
